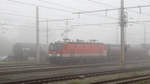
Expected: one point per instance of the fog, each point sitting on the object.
(18, 20)
(48, 38)
(5, 46)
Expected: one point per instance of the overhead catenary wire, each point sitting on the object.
(32, 17)
(24, 26)
(47, 7)
(30, 4)
(19, 15)
(57, 4)
(68, 7)
(99, 24)
(106, 4)
(54, 3)
(12, 10)
(84, 11)
(56, 20)
(102, 3)
(27, 29)
(145, 1)
(6, 24)
(111, 9)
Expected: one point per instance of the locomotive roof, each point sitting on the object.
(84, 43)
(77, 43)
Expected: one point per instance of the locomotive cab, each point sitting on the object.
(55, 49)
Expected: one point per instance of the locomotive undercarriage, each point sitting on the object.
(77, 60)
(132, 55)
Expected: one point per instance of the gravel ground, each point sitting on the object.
(103, 78)
(143, 82)
(34, 75)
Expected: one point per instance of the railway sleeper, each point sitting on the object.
(126, 80)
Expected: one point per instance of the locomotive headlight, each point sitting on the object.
(50, 54)
(105, 53)
(58, 54)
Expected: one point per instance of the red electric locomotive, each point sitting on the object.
(76, 52)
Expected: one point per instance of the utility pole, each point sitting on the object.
(144, 36)
(47, 32)
(117, 36)
(122, 28)
(37, 36)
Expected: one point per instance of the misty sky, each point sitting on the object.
(17, 20)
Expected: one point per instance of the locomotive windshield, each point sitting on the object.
(56, 46)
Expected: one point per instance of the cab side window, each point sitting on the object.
(65, 47)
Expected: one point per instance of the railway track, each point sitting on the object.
(48, 67)
(24, 67)
(30, 69)
(80, 76)
(20, 65)
(43, 64)
(135, 79)
(126, 80)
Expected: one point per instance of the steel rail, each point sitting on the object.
(125, 80)
(75, 76)
(135, 80)
(37, 69)
(43, 68)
